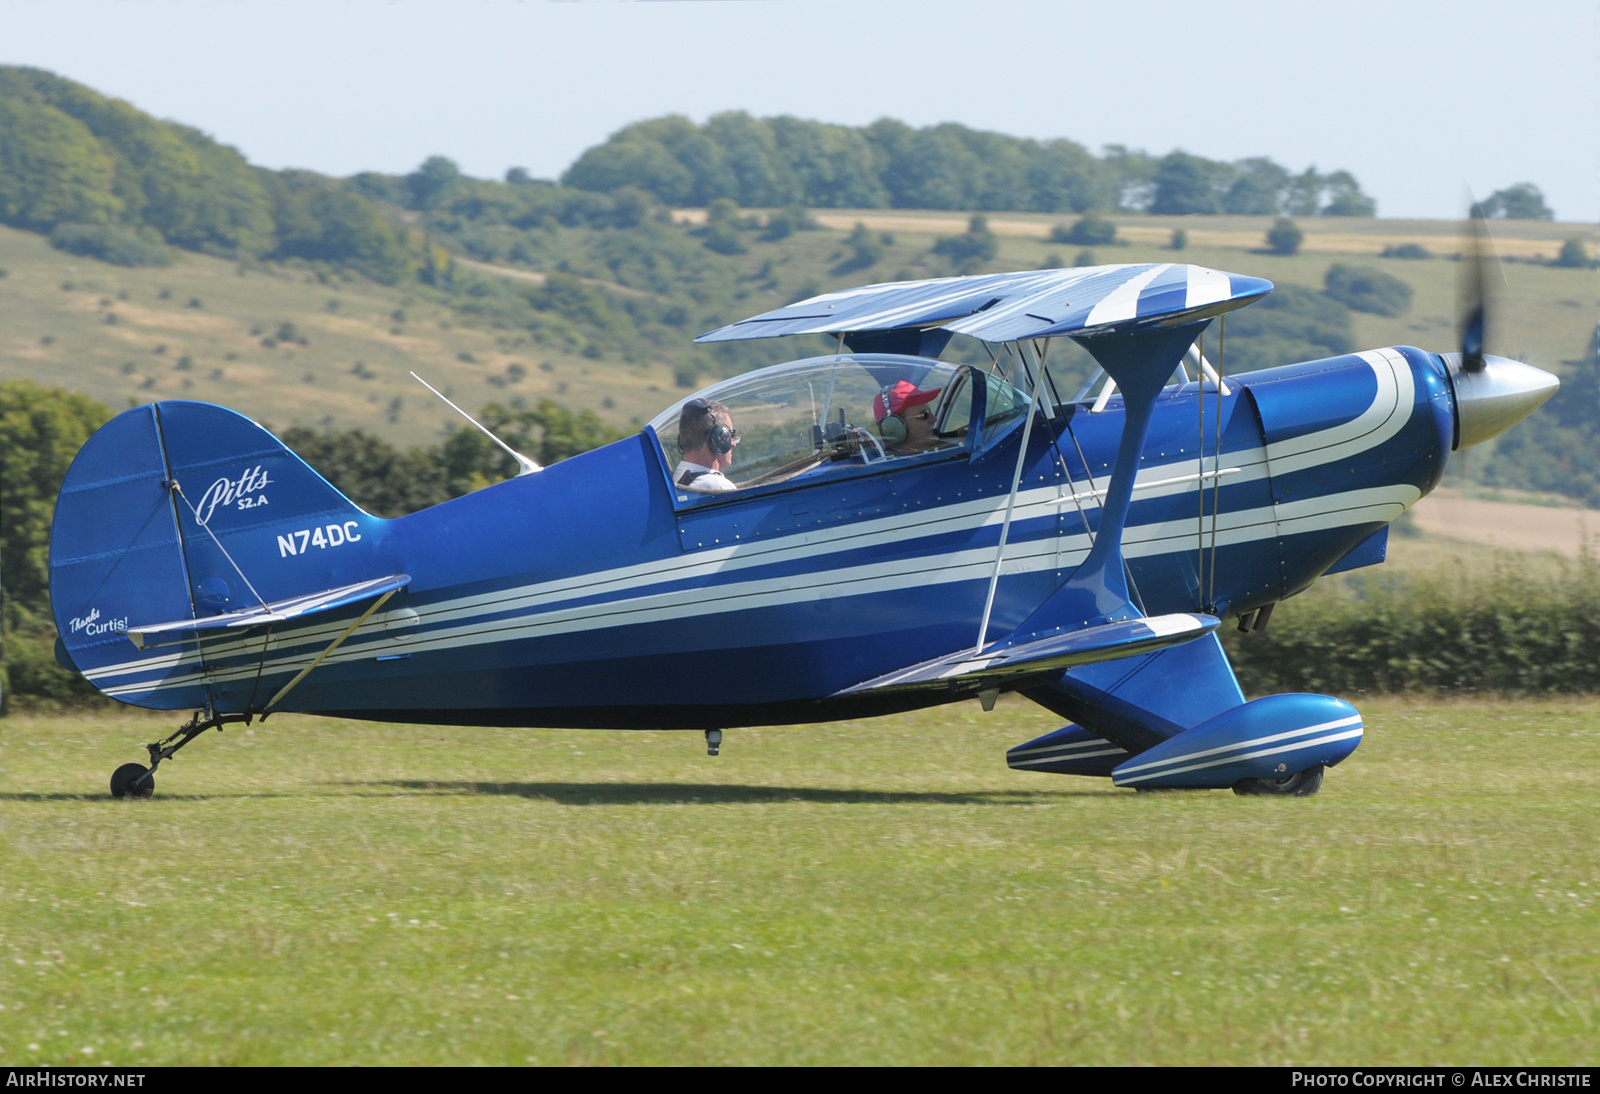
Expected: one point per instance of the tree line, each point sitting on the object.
(767, 162)
(109, 180)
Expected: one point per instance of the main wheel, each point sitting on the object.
(125, 782)
(1302, 784)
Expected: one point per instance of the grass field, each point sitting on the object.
(318, 891)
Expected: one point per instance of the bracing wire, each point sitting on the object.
(1216, 460)
(1200, 475)
(179, 491)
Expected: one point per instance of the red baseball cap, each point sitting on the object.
(899, 398)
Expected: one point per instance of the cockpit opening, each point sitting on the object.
(826, 415)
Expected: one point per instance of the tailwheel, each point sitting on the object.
(132, 781)
(138, 781)
(1302, 784)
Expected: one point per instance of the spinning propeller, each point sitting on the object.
(1475, 294)
(1492, 394)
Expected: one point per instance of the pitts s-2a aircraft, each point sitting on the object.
(856, 534)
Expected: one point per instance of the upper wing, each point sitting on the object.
(1009, 306)
(276, 612)
(1004, 665)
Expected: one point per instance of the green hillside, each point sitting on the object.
(305, 301)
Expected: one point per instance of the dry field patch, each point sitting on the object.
(1509, 525)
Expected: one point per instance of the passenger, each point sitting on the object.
(906, 419)
(707, 438)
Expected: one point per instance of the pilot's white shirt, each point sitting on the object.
(700, 478)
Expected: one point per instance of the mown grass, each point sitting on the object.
(317, 891)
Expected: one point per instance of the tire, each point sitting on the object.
(125, 784)
(1302, 784)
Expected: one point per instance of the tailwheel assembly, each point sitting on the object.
(138, 781)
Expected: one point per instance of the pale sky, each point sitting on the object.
(1420, 100)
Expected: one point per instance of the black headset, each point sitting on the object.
(720, 438)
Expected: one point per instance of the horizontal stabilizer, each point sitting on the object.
(1070, 750)
(1006, 307)
(1001, 665)
(276, 612)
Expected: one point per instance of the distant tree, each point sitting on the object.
(782, 223)
(1524, 201)
(751, 163)
(973, 247)
(1259, 189)
(41, 430)
(1304, 196)
(1063, 175)
(1363, 288)
(1180, 239)
(1186, 185)
(518, 176)
(1133, 173)
(430, 185)
(723, 211)
(1573, 254)
(833, 166)
(1406, 250)
(109, 244)
(52, 169)
(377, 187)
(866, 248)
(722, 228)
(561, 433)
(1284, 237)
(1345, 198)
(321, 221)
(1091, 230)
(374, 474)
(1084, 258)
(632, 159)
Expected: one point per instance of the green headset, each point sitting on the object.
(893, 428)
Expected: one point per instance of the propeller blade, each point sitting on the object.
(1475, 294)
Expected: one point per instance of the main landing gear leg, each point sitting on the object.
(138, 781)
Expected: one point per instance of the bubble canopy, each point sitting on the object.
(830, 416)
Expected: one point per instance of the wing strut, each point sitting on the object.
(346, 633)
(332, 646)
(1035, 369)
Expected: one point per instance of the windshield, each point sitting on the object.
(814, 416)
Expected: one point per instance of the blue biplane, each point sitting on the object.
(860, 533)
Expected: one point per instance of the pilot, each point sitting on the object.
(905, 418)
(707, 438)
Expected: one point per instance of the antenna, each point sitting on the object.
(527, 466)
